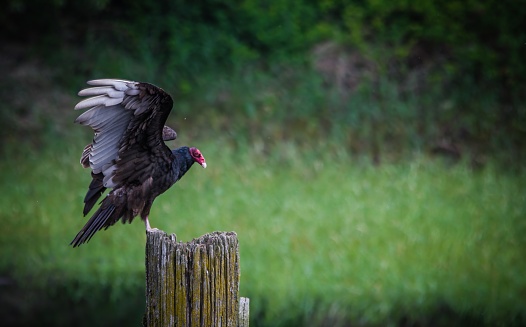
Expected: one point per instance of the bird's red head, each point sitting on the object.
(198, 157)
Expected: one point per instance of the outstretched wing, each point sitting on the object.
(168, 135)
(128, 119)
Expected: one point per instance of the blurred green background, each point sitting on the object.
(369, 154)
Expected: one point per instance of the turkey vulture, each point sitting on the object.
(128, 154)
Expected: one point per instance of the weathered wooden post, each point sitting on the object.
(194, 283)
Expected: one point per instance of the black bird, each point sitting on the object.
(128, 154)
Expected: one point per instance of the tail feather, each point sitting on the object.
(96, 188)
(104, 217)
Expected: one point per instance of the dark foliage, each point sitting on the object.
(461, 63)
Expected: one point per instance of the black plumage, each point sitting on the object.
(128, 154)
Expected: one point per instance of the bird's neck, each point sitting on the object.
(182, 161)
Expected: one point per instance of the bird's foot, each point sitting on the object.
(148, 227)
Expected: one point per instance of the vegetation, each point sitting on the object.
(431, 76)
(354, 243)
(369, 154)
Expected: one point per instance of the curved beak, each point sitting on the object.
(203, 164)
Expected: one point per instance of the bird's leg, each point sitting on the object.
(147, 223)
(148, 227)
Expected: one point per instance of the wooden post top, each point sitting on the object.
(194, 283)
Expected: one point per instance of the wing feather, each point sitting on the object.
(120, 85)
(132, 92)
(92, 102)
(84, 158)
(108, 90)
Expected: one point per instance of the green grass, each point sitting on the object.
(320, 236)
